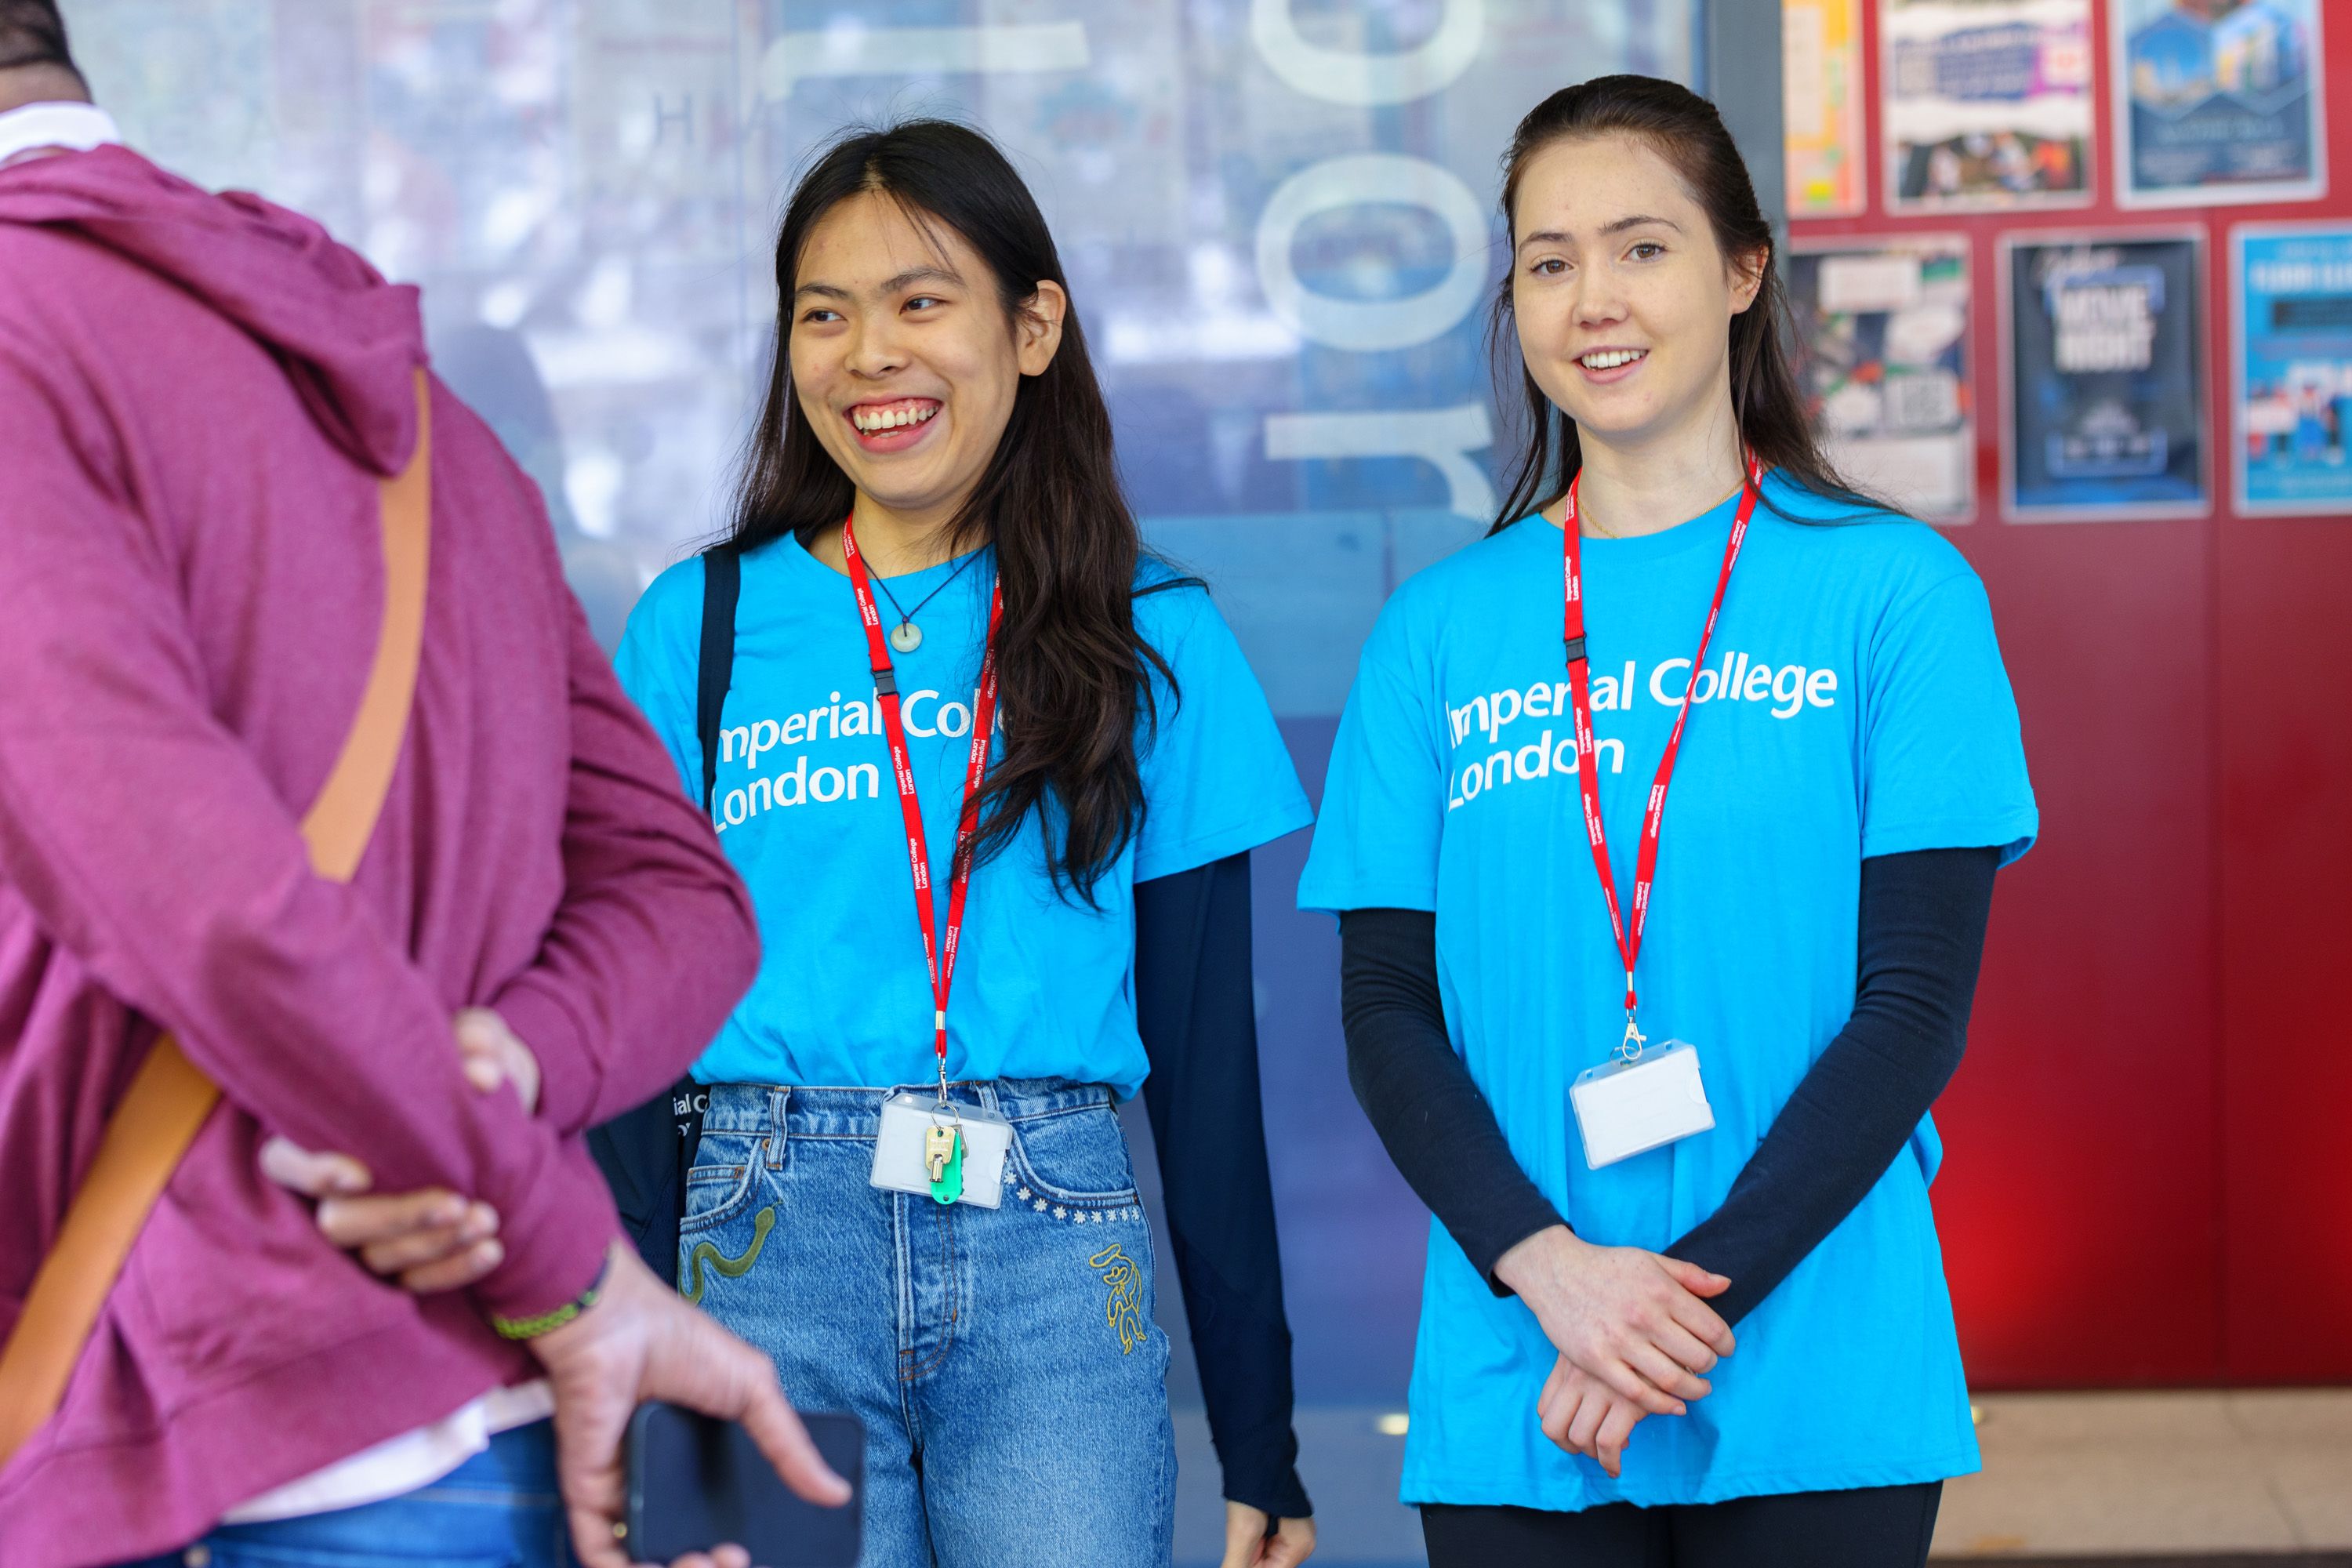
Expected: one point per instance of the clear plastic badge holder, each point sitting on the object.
(899, 1159)
(1640, 1101)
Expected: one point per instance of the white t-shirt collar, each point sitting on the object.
(76, 127)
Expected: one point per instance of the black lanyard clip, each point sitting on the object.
(1575, 649)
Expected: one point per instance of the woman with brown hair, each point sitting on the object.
(1656, 1044)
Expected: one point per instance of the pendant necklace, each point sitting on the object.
(906, 636)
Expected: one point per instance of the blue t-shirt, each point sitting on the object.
(807, 813)
(1856, 705)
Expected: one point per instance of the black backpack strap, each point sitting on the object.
(647, 1152)
(722, 584)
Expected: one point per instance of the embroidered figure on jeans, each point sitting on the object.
(1125, 1308)
(733, 1267)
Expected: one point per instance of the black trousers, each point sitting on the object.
(1874, 1527)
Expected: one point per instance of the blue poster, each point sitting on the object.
(2218, 100)
(2106, 408)
(2293, 378)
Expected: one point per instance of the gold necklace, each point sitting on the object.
(1603, 530)
(1599, 530)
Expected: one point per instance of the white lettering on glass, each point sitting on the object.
(1442, 438)
(1349, 77)
(1372, 325)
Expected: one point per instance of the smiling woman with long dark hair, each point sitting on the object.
(991, 774)
(1020, 462)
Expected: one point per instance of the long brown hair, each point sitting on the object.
(1075, 675)
(1685, 131)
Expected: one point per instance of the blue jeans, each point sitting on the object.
(497, 1510)
(1004, 1361)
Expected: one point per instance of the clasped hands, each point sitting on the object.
(426, 1241)
(1635, 1336)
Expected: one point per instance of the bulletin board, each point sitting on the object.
(2146, 1138)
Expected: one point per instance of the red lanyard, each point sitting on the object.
(1580, 686)
(942, 959)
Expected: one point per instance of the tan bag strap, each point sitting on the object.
(169, 1100)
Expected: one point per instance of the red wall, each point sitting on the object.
(2150, 1168)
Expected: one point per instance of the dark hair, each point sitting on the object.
(33, 34)
(1685, 131)
(1074, 674)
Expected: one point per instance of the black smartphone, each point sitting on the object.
(696, 1482)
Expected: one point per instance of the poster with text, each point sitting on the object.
(2217, 101)
(1985, 103)
(2292, 343)
(1820, 69)
(2102, 380)
(1885, 325)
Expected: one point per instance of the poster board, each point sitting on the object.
(2291, 369)
(1886, 366)
(1821, 98)
(1986, 105)
(2103, 399)
(2217, 101)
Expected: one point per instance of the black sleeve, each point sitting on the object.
(1195, 1008)
(1418, 1092)
(1921, 936)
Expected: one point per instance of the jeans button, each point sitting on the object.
(197, 1556)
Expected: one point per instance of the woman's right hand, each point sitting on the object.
(1636, 1322)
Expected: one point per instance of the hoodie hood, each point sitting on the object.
(348, 341)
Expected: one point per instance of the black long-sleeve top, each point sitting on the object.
(1923, 917)
(1194, 1006)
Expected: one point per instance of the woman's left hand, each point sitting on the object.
(1254, 1540)
(1585, 1416)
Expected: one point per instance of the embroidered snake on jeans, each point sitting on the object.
(733, 1267)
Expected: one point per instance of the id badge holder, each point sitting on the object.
(949, 1153)
(1631, 1104)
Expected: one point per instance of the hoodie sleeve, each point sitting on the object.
(146, 842)
(655, 939)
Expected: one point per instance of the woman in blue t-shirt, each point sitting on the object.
(911, 1187)
(1659, 926)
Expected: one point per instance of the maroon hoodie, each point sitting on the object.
(198, 394)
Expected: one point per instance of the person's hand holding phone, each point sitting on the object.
(640, 1340)
(643, 1341)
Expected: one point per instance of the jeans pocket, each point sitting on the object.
(1075, 1157)
(724, 1179)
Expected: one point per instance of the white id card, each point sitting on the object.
(899, 1161)
(1625, 1109)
